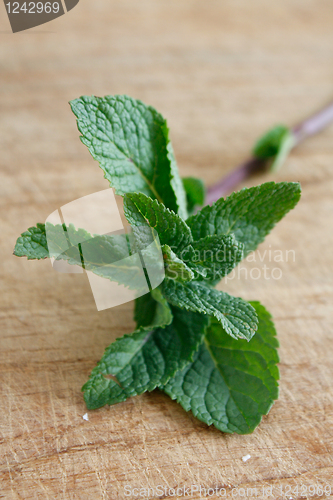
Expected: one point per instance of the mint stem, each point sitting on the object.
(311, 126)
(230, 181)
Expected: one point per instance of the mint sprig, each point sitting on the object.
(216, 354)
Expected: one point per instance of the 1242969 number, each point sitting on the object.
(33, 7)
(306, 490)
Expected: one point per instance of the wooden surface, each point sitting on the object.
(221, 72)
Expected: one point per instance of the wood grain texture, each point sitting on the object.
(221, 72)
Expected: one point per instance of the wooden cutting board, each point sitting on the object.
(222, 73)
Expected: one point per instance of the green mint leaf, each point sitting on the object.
(195, 192)
(275, 145)
(144, 360)
(249, 214)
(231, 384)
(172, 230)
(213, 257)
(238, 317)
(175, 268)
(32, 243)
(113, 257)
(131, 143)
(152, 310)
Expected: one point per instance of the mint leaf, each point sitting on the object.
(238, 317)
(249, 214)
(144, 360)
(152, 310)
(195, 192)
(172, 230)
(114, 257)
(213, 257)
(131, 143)
(175, 268)
(275, 145)
(32, 243)
(231, 384)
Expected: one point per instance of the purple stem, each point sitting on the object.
(311, 126)
(230, 181)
